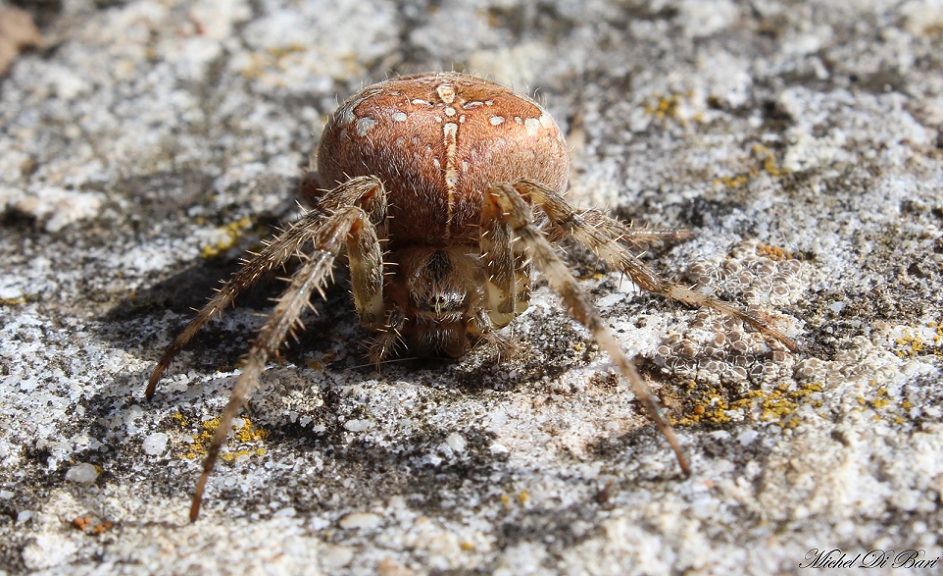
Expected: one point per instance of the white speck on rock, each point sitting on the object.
(47, 550)
(456, 442)
(7, 291)
(286, 512)
(360, 521)
(59, 207)
(699, 18)
(155, 444)
(610, 300)
(333, 556)
(747, 437)
(83, 473)
(358, 425)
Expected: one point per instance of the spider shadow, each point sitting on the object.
(140, 325)
(143, 324)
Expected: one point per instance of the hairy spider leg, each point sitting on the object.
(507, 270)
(364, 191)
(348, 225)
(621, 232)
(508, 205)
(602, 234)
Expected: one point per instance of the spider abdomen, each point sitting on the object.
(438, 142)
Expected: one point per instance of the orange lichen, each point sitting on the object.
(714, 405)
(664, 107)
(244, 434)
(773, 252)
(769, 165)
(229, 235)
(913, 343)
(91, 526)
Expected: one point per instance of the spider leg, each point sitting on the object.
(313, 275)
(389, 339)
(611, 227)
(498, 261)
(507, 290)
(366, 275)
(633, 235)
(508, 205)
(366, 191)
(602, 234)
(503, 346)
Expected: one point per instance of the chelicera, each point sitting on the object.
(445, 191)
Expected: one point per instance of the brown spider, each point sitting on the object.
(447, 172)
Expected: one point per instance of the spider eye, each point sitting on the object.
(443, 299)
(447, 303)
(440, 303)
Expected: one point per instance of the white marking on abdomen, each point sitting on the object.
(450, 134)
(364, 125)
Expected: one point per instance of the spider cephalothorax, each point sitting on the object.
(449, 173)
(436, 143)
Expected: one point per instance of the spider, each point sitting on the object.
(444, 190)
